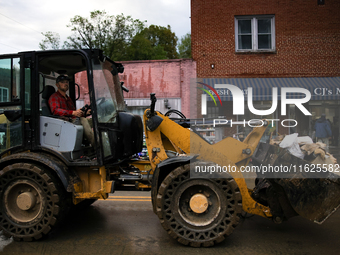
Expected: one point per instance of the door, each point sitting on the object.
(332, 112)
(12, 102)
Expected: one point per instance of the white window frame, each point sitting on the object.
(254, 33)
(3, 89)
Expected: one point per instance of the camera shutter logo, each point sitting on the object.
(204, 97)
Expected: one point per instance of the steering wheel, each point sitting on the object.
(85, 108)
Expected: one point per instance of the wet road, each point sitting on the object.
(125, 224)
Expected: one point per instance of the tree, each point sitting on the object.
(120, 37)
(160, 39)
(142, 49)
(110, 33)
(184, 46)
(51, 41)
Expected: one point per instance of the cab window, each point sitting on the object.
(9, 80)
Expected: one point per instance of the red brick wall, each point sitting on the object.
(307, 39)
(166, 78)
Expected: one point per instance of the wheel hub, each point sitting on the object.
(30, 201)
(23, 200)
(199, 203)
(26, 201)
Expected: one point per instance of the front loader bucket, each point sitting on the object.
(313, 191)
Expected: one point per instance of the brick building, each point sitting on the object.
(169, 79)
(265, 44)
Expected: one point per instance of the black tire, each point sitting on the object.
(32, 201)
(186, 223)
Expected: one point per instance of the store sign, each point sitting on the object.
(238, 100)
(326, 91)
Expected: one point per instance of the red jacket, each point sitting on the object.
(60, 105)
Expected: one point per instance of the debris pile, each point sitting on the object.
(304, 148)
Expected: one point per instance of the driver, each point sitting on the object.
(62, 105)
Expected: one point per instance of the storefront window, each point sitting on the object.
(332, 112)
(259, 105)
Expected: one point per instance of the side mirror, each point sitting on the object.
(123, 87)
(153, 103)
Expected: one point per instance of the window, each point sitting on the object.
(212, 110)
(255, 33)
(9, 80)
(248, 115)
(137, 110)
(3, 94)
(11, 132)
(27, 97)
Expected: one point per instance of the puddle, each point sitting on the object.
(4, 241)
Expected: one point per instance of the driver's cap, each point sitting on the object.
(63, 78)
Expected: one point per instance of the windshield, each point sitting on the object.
(108, 92)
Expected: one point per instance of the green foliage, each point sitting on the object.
(5, 77)
(120, 37)
(110, 33)
(154, 42)
(51, 41)
(142, 49)
(162, 36)
(184, 46)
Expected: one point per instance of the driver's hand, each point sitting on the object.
(89, 112)
(78, 113)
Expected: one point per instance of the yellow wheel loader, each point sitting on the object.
(199, 191)
(47, 166)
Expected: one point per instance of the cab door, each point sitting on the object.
(120, 133)
(14, 97)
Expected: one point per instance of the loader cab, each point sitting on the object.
(26, 122)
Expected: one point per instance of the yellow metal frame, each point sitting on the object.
(93, 185)
(228, 152)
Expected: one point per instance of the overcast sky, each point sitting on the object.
(22, 21)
